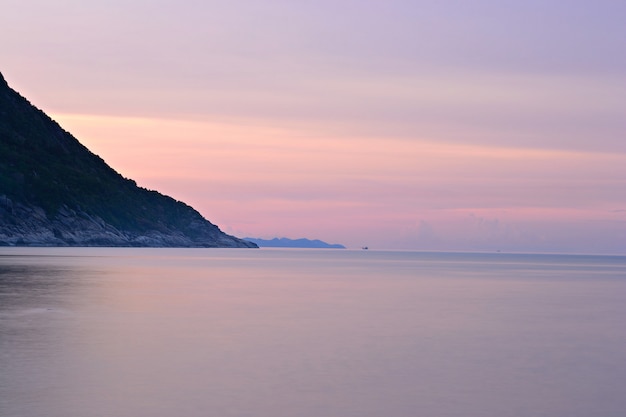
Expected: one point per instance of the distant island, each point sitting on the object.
(55, 192)
(284, 242)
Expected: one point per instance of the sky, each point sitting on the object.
(429, 125)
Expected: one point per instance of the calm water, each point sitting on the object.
(310, 333)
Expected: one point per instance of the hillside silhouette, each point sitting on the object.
(55, 192)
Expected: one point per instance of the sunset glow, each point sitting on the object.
(410, 126)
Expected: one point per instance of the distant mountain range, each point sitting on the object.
(293, 243)
(55, 192)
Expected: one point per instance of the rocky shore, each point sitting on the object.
(29, 226)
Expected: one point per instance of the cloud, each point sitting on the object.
(354, 118)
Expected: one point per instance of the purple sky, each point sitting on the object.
(402, 124)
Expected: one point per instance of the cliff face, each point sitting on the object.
(55, 192)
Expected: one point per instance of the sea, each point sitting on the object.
(136, 332)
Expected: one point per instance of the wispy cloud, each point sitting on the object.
(361, 119)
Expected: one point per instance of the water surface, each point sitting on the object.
(314, 333)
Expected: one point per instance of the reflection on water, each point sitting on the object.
(196, 332)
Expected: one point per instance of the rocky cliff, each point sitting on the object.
(55, 192)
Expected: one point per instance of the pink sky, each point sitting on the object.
(393, 125)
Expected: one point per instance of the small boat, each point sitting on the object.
(365, 248)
